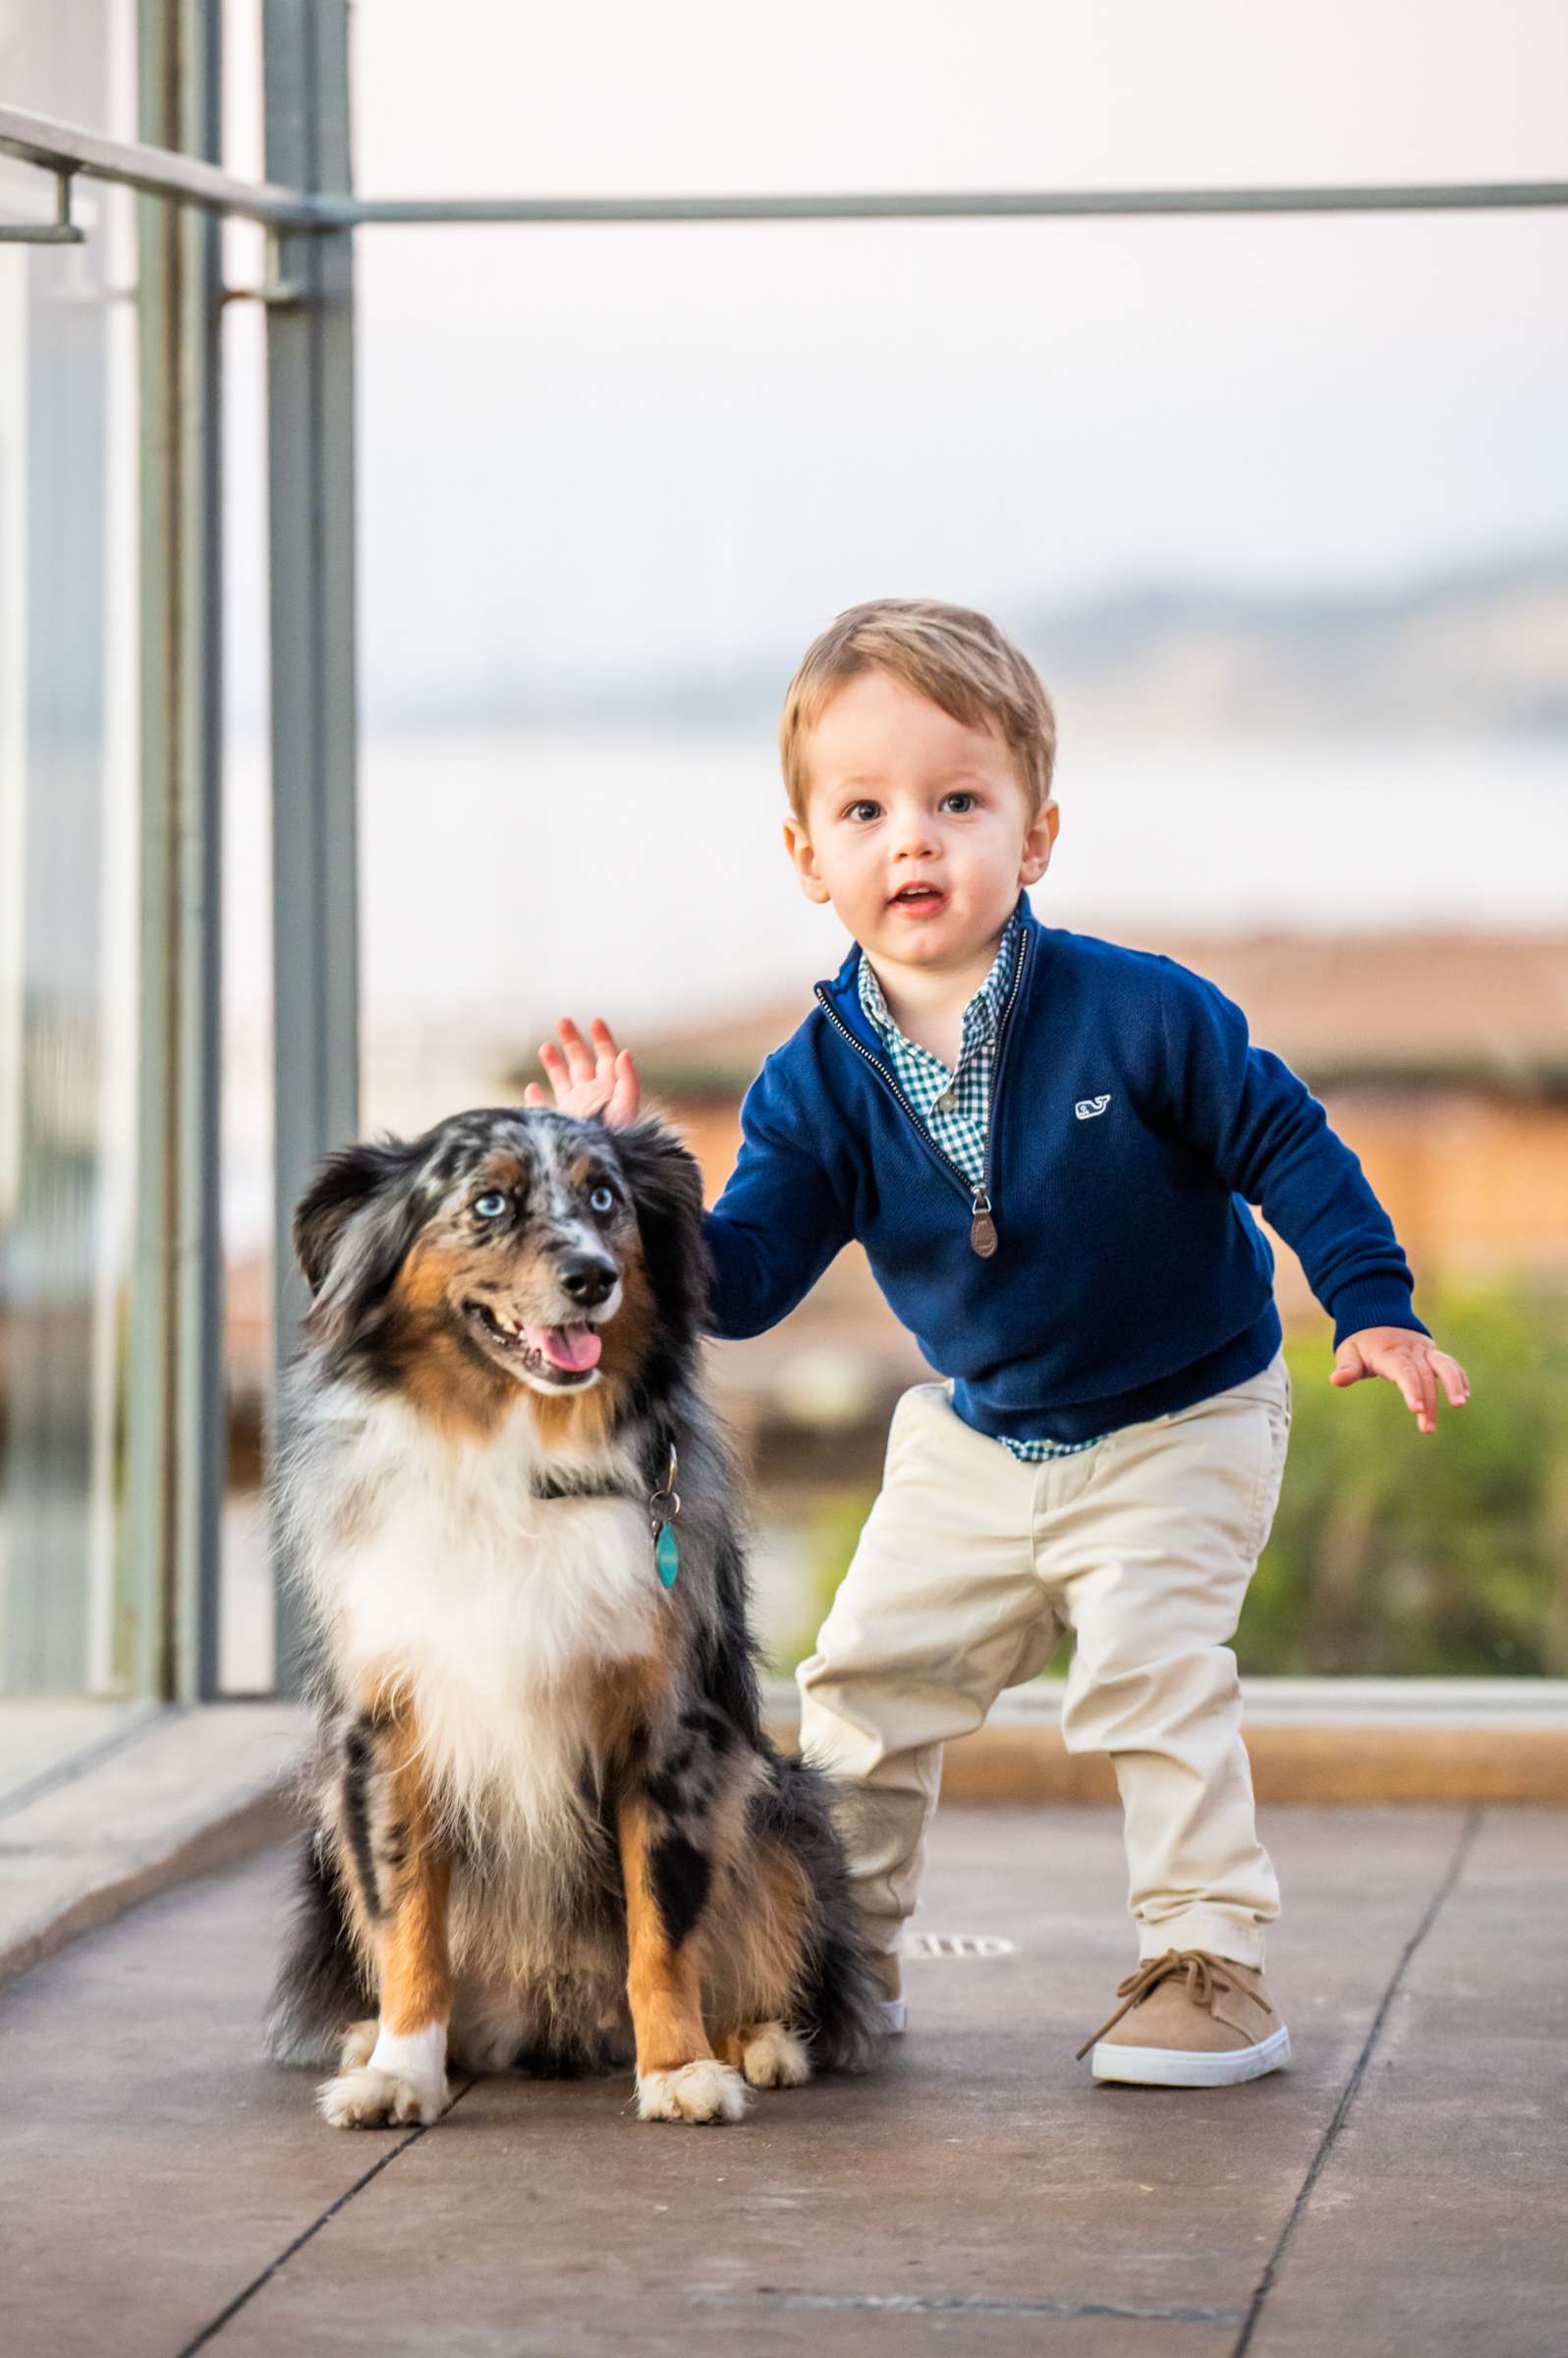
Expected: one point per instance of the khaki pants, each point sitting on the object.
(970, 1566)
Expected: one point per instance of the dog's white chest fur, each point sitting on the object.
(489, 1608)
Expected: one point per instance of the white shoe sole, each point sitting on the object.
(1189, 2067)
(895, 2017)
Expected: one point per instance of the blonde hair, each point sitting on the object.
(952, 655)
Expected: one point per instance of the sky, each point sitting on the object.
(594, 452)
(839, 93)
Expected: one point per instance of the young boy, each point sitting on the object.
(1046, 1145)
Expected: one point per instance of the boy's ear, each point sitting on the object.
(345, 1183)
(1039, 842)
(803, 857)
(665, 1182)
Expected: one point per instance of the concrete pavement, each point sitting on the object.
(1400, 2190)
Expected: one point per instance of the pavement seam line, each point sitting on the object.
(971, 2305)
(215, 2326)
(1469, 1831)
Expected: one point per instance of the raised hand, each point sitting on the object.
(599, 1080)
(1411, 1361)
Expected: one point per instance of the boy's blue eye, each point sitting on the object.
(961, 794)
(489, 1207)
(602, 1198)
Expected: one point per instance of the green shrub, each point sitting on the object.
(1394, 1552)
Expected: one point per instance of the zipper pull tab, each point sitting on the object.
(981, 1226)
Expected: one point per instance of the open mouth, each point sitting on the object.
(565, 1354)
(919, 900)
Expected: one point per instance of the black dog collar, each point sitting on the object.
(663, 1502)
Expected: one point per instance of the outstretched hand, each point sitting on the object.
(601, 1081)
(1411, 1361)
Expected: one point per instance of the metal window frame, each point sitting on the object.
(175, 1420)
(310, 460)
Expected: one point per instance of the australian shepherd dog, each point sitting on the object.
(549, 1829)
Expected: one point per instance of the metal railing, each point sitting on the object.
(64, 150)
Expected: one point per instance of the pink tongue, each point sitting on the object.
(575, 1347)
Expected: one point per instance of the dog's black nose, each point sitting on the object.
(587, 1278)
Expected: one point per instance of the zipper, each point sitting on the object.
(983, 1222)
(982, 1226)
(883, 1074)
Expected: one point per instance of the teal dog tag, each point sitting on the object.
(665, 1505)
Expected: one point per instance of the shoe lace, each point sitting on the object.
(1207, 1976)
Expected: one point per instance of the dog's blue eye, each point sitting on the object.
(602, 1198)
(490, 1207)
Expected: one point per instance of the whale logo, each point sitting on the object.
(1087, 1107)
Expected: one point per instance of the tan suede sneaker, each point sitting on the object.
(1189, 2019)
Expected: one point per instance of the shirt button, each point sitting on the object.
(944, 1101)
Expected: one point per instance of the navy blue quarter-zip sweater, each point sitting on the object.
(1109, 1268)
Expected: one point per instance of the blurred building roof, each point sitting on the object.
(1417, 1007)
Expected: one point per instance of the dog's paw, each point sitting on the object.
(359, 2043)
(707, 2090)
(773, 2057)
(369, 2099)
(387, 2078)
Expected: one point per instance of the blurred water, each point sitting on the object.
(513, 875)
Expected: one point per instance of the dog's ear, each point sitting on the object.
(346, 1184)
(665, 1181)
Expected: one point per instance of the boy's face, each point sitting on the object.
(899, 793)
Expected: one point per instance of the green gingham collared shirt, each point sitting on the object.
(954, 1103)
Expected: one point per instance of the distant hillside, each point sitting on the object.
(1483, 648)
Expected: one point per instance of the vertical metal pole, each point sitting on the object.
(169, 1629)
(310, 463)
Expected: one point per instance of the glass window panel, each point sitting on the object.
(68, 851)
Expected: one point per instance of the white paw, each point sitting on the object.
(775, 2057)
(707, 2090)
(366, 2099)
(400, 2078)
(359, 2045)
